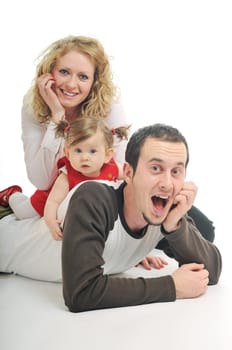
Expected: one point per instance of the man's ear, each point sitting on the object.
(109, 154)
(127, 172)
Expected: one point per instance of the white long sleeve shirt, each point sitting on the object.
(42, 149)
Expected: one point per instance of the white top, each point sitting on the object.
(28, 249)
(42, 149)
(121, 250)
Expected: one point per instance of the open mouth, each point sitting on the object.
(159, 202)
(69, 94)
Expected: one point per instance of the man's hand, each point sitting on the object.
(182, 203)
(191, 280)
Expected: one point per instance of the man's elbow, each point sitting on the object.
(78, 303)
(214, 278)
(76, 307)
(215, 275)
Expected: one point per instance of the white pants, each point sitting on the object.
(28, 249)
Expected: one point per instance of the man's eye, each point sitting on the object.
(177, 172)
(156, 168)
(83, 77)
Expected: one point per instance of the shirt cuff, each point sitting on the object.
(50, 141)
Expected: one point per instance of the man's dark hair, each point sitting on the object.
(161, 132)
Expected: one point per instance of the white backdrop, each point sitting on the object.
(171, 59)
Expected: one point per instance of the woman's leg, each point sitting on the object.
(21, 206)
(204, 225)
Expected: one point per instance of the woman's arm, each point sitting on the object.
(41, 148)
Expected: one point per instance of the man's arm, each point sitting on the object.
(188, 246)
(90, 217)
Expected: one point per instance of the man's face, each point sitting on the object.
(158, 178)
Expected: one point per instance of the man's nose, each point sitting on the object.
(166, 181)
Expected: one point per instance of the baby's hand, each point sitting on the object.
(157, 262)
(55, 230)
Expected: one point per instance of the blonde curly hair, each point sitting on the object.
(103, 90)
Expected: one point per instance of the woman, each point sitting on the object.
(73, 79)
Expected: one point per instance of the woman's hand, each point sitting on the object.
(45, 84)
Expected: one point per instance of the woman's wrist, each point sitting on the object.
(57, 117)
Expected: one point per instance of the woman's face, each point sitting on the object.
(74, 77)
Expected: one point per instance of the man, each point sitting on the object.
(108, 230)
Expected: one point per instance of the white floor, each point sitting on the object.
(33, 316)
